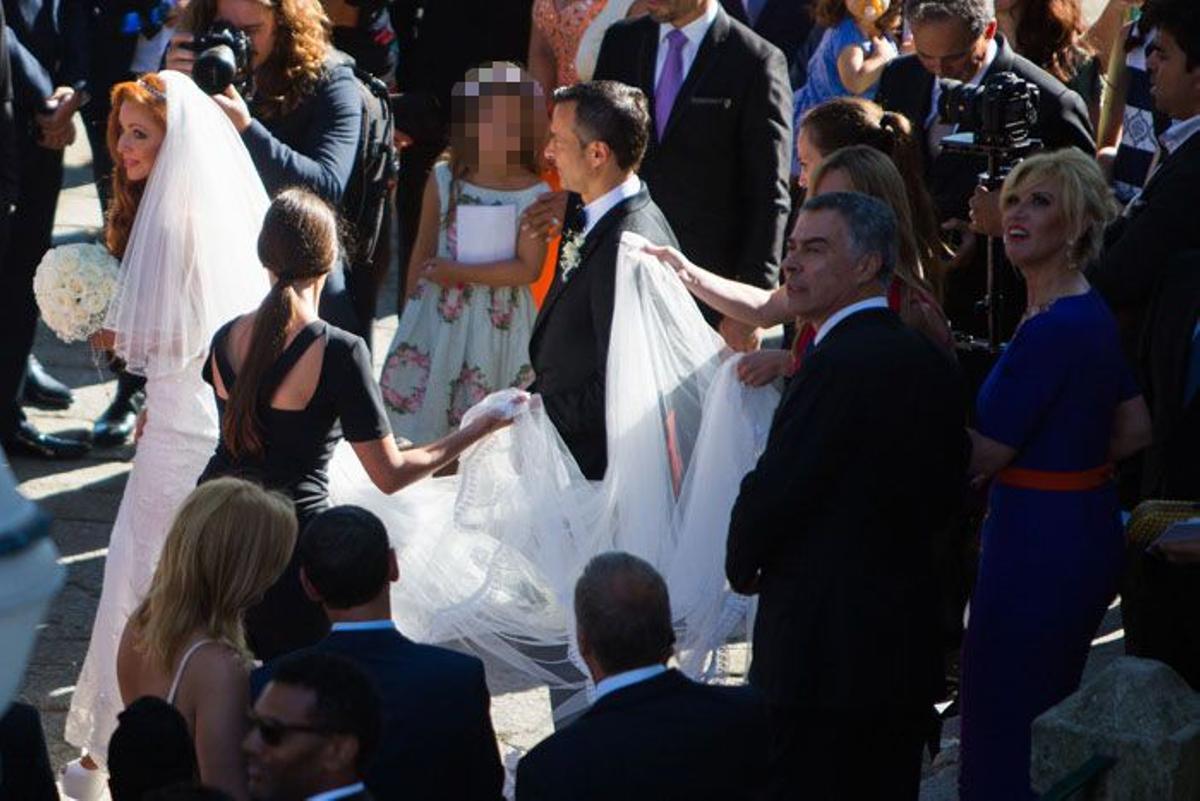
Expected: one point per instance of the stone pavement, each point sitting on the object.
(83, 497)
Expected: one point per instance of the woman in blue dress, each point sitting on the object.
(1058, 409)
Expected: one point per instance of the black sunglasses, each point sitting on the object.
(273, 732)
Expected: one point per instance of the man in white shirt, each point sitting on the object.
(651, 732)
(313, 731)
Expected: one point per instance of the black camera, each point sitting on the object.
(222, 58)
(1001, 112)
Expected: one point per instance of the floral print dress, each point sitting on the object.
(456, 345)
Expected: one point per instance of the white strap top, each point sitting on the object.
(187, 655)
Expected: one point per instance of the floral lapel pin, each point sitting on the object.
(568, 258)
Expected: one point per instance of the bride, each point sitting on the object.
(491, 555)
(185, 217)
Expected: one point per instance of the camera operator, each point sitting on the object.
(302, 120)
(956, 39)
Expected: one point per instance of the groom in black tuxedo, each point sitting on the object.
(833, 529)
(597, 138)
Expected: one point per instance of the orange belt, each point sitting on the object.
(1056, 480)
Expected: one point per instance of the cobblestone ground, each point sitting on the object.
(83, 496)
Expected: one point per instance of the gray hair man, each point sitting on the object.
(834, 527)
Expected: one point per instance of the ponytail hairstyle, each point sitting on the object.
(847, 121)
(150, 92)
(298, 243)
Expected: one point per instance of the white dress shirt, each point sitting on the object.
(938, 131)
(694, 31)
(593, 211)
(844, 312)
(340, 792)
(619, 681)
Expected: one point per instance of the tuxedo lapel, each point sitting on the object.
(595, 236)
(706, 56)
(1188, 150)
(647, 58)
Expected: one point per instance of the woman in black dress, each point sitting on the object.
(289, 386)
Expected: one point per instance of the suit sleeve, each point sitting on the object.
(325, 160)
(32, 83)
(1069, 124)
(529, 788)
(77, 48)
(766, 144)
(790, 475)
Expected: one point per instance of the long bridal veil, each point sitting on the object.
(490, 556)
(191, 264)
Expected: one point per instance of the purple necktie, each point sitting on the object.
(670, 81)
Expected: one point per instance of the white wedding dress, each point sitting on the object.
(490, 556)
(190, 266)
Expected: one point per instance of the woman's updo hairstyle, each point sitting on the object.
(298, 243)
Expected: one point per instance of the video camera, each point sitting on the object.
(223, 58)
(997, 119)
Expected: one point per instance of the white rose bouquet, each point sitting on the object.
(74, 285)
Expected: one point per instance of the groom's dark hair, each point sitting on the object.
(612, 113)
(623, 611)
(344, 553)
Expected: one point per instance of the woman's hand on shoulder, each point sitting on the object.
(762, 367)
(688, 272)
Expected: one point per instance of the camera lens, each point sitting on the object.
(215, 69)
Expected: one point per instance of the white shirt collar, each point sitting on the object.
(619, 681)
(340, 792)
(594, 211)
(1179, 132)
(879, 302)
(364, 625)
(695, 31)
(993, 48)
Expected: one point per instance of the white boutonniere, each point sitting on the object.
(568, 258)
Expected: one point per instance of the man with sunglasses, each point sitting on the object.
(957, 40)
(313, 731)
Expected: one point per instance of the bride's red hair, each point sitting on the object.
(148, 91)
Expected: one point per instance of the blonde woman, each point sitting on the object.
(1058, 409)
(230, 541)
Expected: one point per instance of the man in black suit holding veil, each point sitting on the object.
(597, 138)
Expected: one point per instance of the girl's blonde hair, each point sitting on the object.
(1087, 204)
(873, 173)
(229, 542)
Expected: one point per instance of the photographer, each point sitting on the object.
(956, 40)
(302, 119)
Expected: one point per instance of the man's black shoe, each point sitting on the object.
(116, 424)
(43, 390)
(28, 441)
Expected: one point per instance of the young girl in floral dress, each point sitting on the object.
(465, 329)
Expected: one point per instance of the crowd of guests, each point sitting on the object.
(798, 162)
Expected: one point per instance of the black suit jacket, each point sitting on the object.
(664, 738)
(8, 140)
(907, 87)
(786, 24)
(49, 46)
(865, 461)
(1172, 462)
(569, 344)
(438, 740)
(720, 174)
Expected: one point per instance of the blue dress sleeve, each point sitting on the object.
(1129, 388)
(1024, 382)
